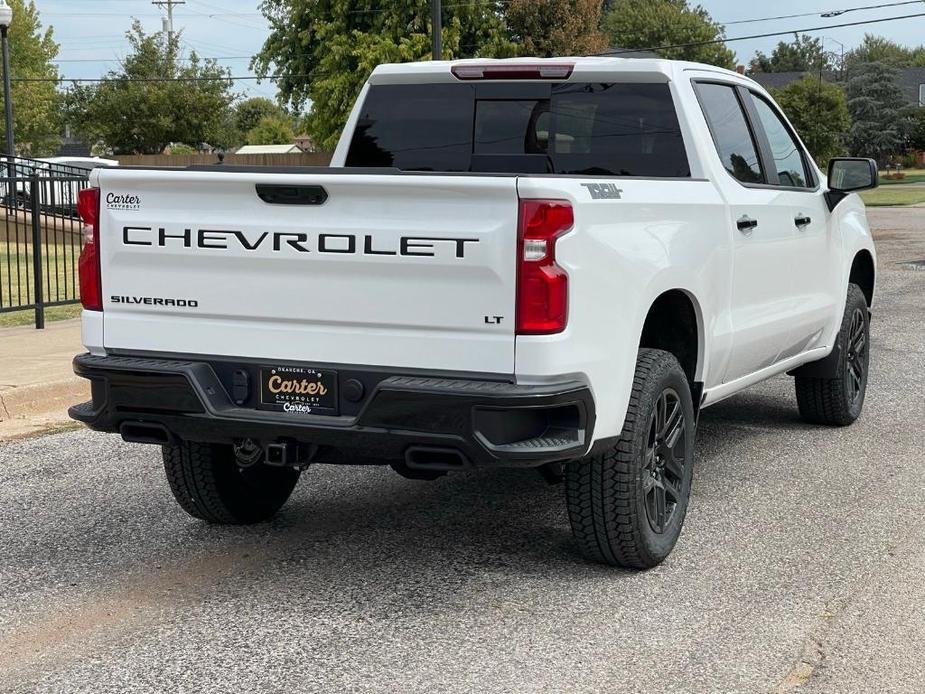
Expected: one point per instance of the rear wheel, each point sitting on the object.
(839, 401)
(627, 504)
(208, 483)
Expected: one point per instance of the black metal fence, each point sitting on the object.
(41, 235)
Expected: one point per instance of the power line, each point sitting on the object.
(827, 13)
(692, 44)
(635, 50)
(154, 79)
(182, 60)
(215, 12)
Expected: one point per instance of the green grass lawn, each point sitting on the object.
(52, 313)
(912, 176)
(893, 196)
(16, 281)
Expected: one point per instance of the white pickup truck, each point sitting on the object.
(532, 263)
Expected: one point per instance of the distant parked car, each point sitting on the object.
(63, 180)
(14, 195)
(85, 164)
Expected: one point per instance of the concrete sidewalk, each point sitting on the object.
(37, 384)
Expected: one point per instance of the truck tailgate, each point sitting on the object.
(391, 270)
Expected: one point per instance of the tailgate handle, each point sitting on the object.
(291, 195)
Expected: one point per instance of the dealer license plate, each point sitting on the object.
(298, 390)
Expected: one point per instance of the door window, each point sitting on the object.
(786, 151)
(733, 139)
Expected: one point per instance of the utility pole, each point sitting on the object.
(169, 4)
(436, 29)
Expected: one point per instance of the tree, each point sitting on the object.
(819, 112)
(878, 49)
(271, 130)
(917, 130)
(157, 97)
(36, 105)
(322, 51)
(251, 111)
(654, 23)
(881, 119)
(556, 27)
(180, 148)
(803, 54)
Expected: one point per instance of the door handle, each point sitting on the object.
(802, 221)
(746, 223)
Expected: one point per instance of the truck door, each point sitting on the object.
(762, 301)
(815, 256)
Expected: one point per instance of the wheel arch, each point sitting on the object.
(863, 273)
(674, 323)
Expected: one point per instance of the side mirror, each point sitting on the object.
(849, 175)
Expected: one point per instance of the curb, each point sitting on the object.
(29, 409)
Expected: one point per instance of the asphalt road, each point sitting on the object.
(801, 567)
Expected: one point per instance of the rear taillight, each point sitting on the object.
(513, 71)
(91, 290)
(542, 286)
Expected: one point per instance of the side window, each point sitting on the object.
(731, 135)
(786, 151)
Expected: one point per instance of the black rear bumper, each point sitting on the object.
(401, 418)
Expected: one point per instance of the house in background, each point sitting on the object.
(911, 81)
(269, 149)
(305, 143)
(72, 146)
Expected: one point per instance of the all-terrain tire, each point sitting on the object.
(208, 483)
(609, 495)
(839, 401)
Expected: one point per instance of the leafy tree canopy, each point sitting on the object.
(881, 120)
(250, 112)
(803, 54)
(653, 23)
(180, 148)
(322, 51)
(271, 130)
(157, 97)
(878, 49)
(549, 28)
(819, 111)
(36, 106)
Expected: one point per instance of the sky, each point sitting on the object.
(92, 32)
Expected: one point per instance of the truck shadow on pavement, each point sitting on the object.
(370, 521)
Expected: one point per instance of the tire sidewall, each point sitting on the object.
(855, 301)
(668, 375)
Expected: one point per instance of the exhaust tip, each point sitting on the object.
(144, 432)
(435, 458)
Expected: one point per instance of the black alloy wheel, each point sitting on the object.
(856, 373)
(666, 454)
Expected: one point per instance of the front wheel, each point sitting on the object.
(838, 401)
(208, 483)
(627, 504)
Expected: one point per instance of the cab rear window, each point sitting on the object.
(618, 129)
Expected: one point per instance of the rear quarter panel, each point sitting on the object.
(662, 234)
